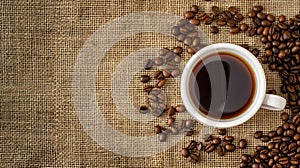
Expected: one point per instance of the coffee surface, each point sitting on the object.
(222, 85)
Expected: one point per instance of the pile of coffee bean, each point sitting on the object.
(211, 144)
(282, 151)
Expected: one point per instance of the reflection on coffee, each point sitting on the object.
(222, 85)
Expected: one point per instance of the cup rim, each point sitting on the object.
(260, 83)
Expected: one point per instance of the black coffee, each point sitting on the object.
(222, 85)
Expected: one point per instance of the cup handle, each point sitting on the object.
(273, 102)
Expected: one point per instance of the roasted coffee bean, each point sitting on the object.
(260, 30)
(147, 88)
(158, 75)
(162, 137)
(228, 138)
(196, 41)
(190, 50)
(189, 15)
(265, 138)
(244, 27)
(285, 126)
(189, 132)
(171, 111)
(286, 139)
(265, 23)
(284, 116)
(266, 31)
(185, 152)
(230, 147)
(214, 29)
(144, 110)
(286, 35)
(193, 159)
(261, 15)
(258, 134)
(272, 134)
(209, 148)
(175, 73)
(145, 78)
(282, 26)
(222, 131)
(221, 150)
(216, 141)
(189, 123)
(231, 23)
(290, 89)
(166, 73)
(158, 61)
(251, 14)
(157, 129)
(271, 18)
(174, 130)
(177, 50)
(149, 64)
(295, 49)
(160, 83)
(257, 8)
(234, 30)
(242, 144)
(281, 18)
(195, 21)
(171, 121)
(264, 60)
(194, 8)
(283, 160)
(221, 22)
(255, 52)
(180, 108)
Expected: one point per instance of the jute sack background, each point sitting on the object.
(40, 42)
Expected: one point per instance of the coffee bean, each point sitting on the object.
(177, 50)
(283, 160)
(215, 10)
(209, 148)
(264, 60)
(185, 152)
(180, 108)
(194, 8)
(233, 10)
(166, 73)
(234, 30)
(265, 23)
(148, 88)
(158, 75)
(258, 134)
(171, 120)
(162, 137)
(281, 18)
(214, 29)
(189, 15)
(261, 15)
(251, 32)
(221, 150)
(221, 22)
(242, 144)
(189, 123)
(295, 49)
(244, 27)
(171, 111)
(228, 138)
(271, 18)
(286, 35)
(221, 131)
(208, 21)
(144, 110)
(272, 134)
(238, 17)
(190, 50)
(230, 147)
(257, 8)
(174, 130)
(251, 14)
(260, 30)
(175, 73)
(284, 116)
(195, 21)
(282, 26)
(145, 78)
(157, 129)
(216, 141)
(160, 83)
(158, 61)
(264, 138)
(208, 138)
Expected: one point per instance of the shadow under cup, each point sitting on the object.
(223, 85)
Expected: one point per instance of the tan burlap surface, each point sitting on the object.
(40, 43)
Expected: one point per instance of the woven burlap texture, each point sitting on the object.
(40, 42)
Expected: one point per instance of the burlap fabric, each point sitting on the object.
(40, 43)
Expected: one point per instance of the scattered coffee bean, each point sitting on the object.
(214, 29)
(221, 150)
(180, 108)
(257, 8)
(258, 134)
(157, 129)
(189, 15)
(149, 64)
(189, 123)
(177, 50)
(244, 27)
(234, 30)
(185, 152)
(209, 148)
(145, 78)
(255, 52)
(222, 131)
(242, 144)
(158, 61)
(216, 141)
(171, 120)
(194, 8)
(230, 147)
(162, 137)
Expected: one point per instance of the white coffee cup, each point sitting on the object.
(260, 98)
